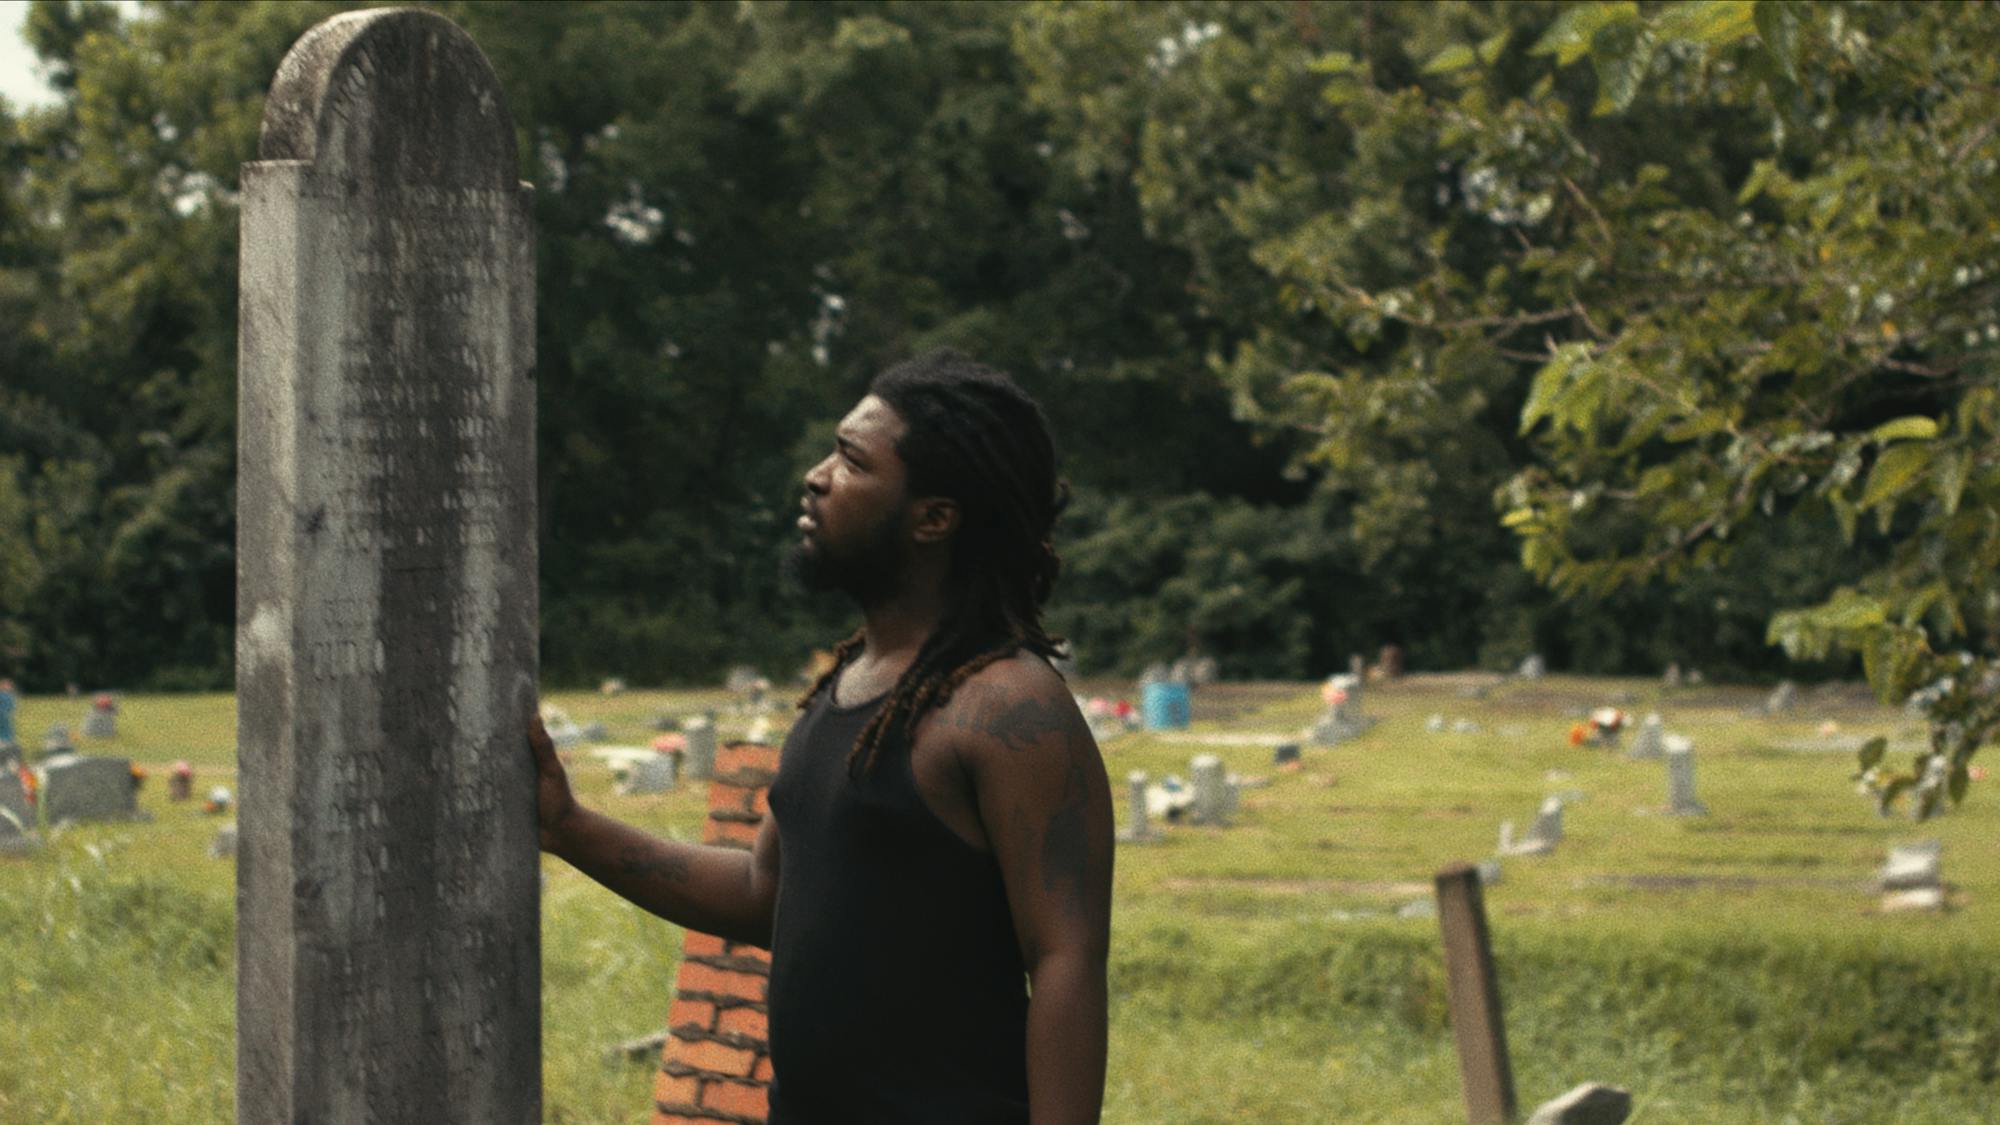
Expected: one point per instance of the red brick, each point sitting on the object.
(700, 1013)
(763, 1071)
(760, 801)
(746, 756)
(723, 797)
(697, 977)
(734, 831)
(679, 1119)
(744, 1021)
(694, 943)
(736, 1097)
(681, 1091)
(717, 1058)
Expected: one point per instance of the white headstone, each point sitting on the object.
(1138, 823)
(1533, 667)
(1592, 1103)
(1681, 799)
(647, 774)
(1781, 698)
(1913, 865)
(1212, 799)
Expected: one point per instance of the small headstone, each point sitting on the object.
(1533, 667)
(1592, 1103)
(10, 756)
(1169, 800)
(1287, 753)
(1931, 786)
(1912, 866)
(1672, 677)
(220, 800)
(1694, 677)
(78, 788)
(648, 774)
(699, 758)
(1542, 837)
(1213, 800)
(180, 782)
(1357, 666)
(1782, 698)
(1651, 741)
(224, 844)
(1343, 719)
(1138, 824)
(1204, 671)
(1418, 908)
(1435, 724)
(594, 732)
(1681, 799)
(101, 721)
(1464, 726)
(1489, 871)
(562, 731)
(611, 687)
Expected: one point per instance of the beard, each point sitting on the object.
(860, 571)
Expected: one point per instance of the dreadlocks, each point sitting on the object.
(975, 437)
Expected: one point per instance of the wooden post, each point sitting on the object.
(1474, 995)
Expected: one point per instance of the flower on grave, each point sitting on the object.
(670, 743)
(1578, 732)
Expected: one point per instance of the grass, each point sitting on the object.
(1730, 968)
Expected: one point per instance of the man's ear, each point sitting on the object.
(936, 519)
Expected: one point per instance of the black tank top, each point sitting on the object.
(897, 991)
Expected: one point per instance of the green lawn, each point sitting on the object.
(1731, 968)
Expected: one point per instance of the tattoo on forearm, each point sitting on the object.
(637, 862)
(1071, 863)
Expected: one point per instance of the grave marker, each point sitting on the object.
(1473, 994)
(1138, 826)
(698, 759)
(77, 788)
(1681, 800)
(388, 938)
(1214, 796)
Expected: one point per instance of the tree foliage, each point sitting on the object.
(1626, 333)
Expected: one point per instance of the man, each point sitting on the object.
(934, 880)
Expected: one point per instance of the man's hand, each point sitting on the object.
(554, 802)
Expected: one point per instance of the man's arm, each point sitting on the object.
(720, 891)
(1046, 808)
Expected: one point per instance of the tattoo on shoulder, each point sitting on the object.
(1016, 723)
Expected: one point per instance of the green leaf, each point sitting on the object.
(1778, 26)
(1546, 390)
(1450, 59)
(1913, 426)
(1568, 39)
(1949, 480)
(1334, 62)
(1517, 517)
(1621, 53)
(1895, 470)
(1872, 751)
(1711, 23)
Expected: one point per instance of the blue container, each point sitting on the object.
(1164, 706)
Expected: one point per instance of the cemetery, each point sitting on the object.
(1771, 958)
(401, 374)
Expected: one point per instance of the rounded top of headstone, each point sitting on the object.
(391, 97)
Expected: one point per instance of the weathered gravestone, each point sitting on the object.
(76, 788)
(1591, 1103)
(1681, 799)
(387, 890)
(648, 774)
(1782, 698)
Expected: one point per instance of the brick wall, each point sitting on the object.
(714, 1066)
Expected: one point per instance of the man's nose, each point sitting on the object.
(816, 476)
